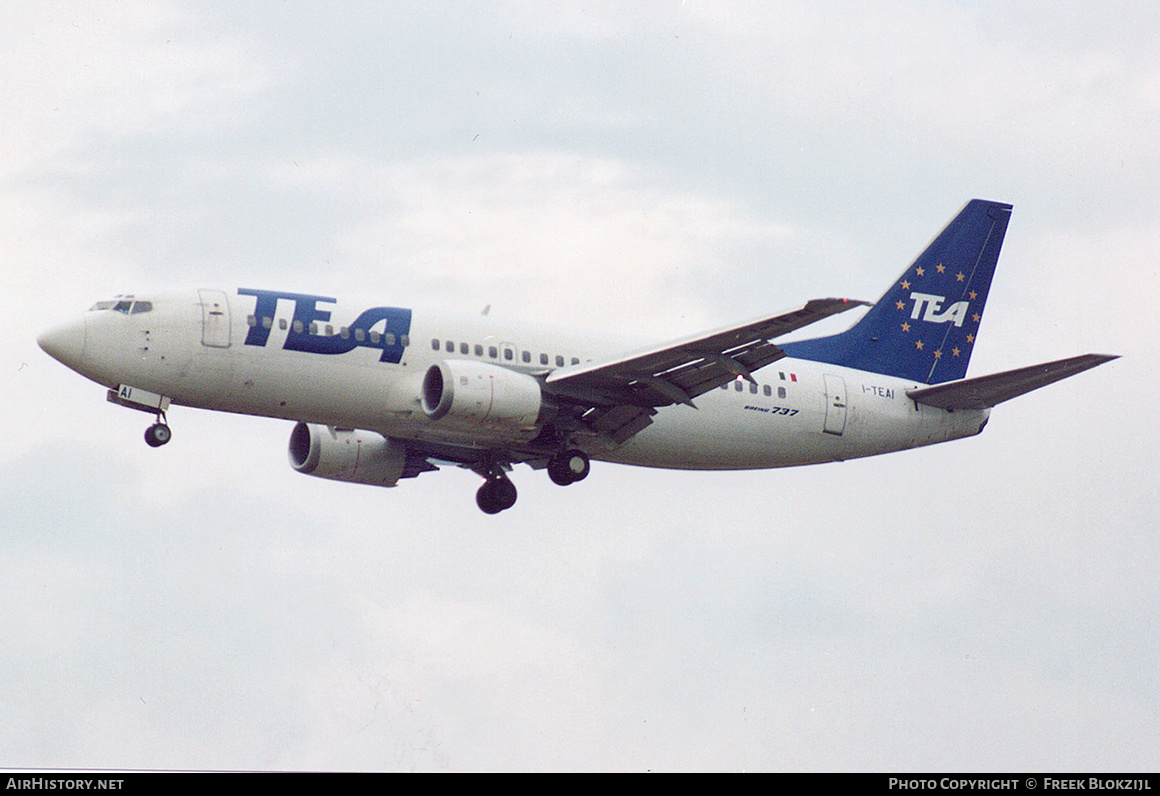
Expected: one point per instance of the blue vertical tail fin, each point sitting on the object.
(926, 325)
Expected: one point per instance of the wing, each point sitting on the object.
(617, 397)
(987, 391)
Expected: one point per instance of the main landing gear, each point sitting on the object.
(498, 493)
(568, 467)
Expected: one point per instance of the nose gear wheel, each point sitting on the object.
(159, 433)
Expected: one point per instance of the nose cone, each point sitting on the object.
(65, 343)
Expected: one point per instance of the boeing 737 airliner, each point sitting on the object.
(382, 393)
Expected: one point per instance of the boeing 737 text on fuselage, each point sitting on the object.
(381, 393)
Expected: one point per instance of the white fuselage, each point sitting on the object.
(228, 351)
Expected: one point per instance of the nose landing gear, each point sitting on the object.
(159, 433)
(144, 401)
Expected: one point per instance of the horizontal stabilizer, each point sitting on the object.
(987, 391)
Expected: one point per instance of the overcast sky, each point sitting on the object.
(661, 168)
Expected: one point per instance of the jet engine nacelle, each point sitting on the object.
(479, 394)
(361, 457)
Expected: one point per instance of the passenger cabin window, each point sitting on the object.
(478, 350)
(543, 359)
(463, 348)
(527, 356)
(781, 392)
(492, 351)
(434, 345)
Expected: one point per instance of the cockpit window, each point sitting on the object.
(124, 305)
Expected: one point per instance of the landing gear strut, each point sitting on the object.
(497, 494)
(568, 467)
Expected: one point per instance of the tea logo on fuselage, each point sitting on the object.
(302, 334)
